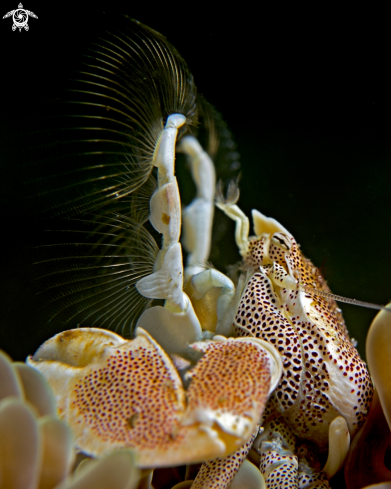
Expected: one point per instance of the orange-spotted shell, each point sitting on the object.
(323, 374)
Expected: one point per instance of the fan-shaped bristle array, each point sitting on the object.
(217, 140)
(91, 280)
(92, 176)
(98, 145)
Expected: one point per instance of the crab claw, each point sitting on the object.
(231, 385)
(117, 393)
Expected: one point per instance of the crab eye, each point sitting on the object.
(282, 241)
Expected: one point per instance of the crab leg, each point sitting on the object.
(198, 216)
(242, 228)
(278, 464)
(177, 319)
(218, 473)
(176, 325)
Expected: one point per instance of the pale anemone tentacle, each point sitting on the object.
(36, 448)
(378, 351)
(57, 451)
(183, 485)
(117, 471)
(366, 460)
(20, 445)
(339, 442)
(10, 382)
(382, 485)
(248, 477)
(36, 392)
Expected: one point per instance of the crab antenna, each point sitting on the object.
(339, 298)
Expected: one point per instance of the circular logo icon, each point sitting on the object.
(20, 18)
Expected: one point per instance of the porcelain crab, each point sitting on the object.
(268, 350)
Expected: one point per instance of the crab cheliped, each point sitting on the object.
(221, 362)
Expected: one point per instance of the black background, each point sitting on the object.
(305, 95)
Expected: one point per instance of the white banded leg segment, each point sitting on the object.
(165, 202)
(278, 464)
(202, 168)
(164, 158)
(282, 468)
(198, 216)
(242, 228)
(165, 215)
(167, 282)
(177, 317)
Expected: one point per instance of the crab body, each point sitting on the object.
(323, 374)
(296, 370)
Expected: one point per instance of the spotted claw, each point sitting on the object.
(116, 393)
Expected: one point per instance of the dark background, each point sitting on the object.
(307, 102)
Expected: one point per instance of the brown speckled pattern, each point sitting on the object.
(310, 334)
(117, 401)
(239, 371)
(218, 473)
(256, 252)
(313, 481)
(279, 465)
(310, 474)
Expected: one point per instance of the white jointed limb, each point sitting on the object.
(198, 216)
(167, 280)
(165, 202)
(164, 158)
(242, 229)
(174, 331)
